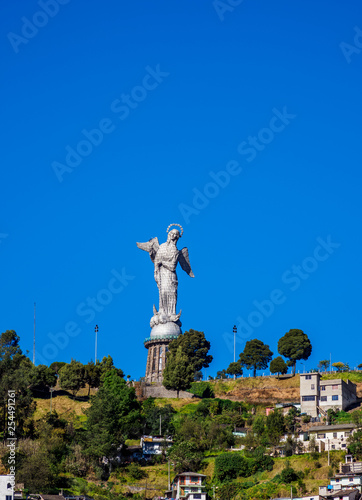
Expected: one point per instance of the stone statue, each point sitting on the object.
(165, 258)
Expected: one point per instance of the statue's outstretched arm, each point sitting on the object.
(150, 246)
(185, 262)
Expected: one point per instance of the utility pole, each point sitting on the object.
(169, 476)
(234, 332)
(160, 425)
(330, 363)
(34, 336)
(51, 389)
(329, 462)
(95, 355)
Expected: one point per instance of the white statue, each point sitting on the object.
(165, 258)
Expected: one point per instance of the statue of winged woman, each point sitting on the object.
(165, 258)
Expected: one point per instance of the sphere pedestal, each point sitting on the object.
(157, 345)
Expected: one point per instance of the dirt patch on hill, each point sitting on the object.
(267, 395)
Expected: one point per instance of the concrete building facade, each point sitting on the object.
(317, 396)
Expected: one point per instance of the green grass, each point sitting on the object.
(355, 377)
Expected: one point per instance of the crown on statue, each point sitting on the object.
(178, 225)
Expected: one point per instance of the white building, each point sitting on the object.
(332, 437)
(6, 488)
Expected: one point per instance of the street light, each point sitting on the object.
(234, 332)
(95, 355)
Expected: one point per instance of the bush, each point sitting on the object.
(229, 466)
(136, 472)
(288, 475)
(202, 390)
(306, 419)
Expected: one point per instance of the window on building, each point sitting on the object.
(335, 397)
(323, 387)
(312, 387)
(335, 387)
(334, 435)
(323, 398)
(197, 496)
(344, 445)
(308, 377)
(308, 398)
(9, 497)
(333, 446)
(321, 436)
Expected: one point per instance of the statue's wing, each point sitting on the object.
(185, 262)
(150, 246)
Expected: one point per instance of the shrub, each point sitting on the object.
(202, 390)
(136, 472)
(229, 466)
(288, 475)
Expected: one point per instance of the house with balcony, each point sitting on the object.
(317, 396)
(187, 486)
(345, 484)
(154, 445)
(331, 437)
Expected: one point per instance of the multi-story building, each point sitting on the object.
(187, 486)
(347, 483)
(317, 396)
(6, 488)
(331, 437)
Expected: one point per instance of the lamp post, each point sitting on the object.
(234, 332)
(51, 389)
(95, 355)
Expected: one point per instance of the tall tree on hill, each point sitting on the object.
(178, 374)
(295, 345)
(256, 355)
(235, 369)
(72, 377)
(279, 366)
(323, 365)
(195, 346)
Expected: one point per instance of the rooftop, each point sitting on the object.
(332, 427)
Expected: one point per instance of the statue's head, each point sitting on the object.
(174, 234)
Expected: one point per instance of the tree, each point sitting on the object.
(229, 466)
(114, 415)
(278, 365)
(221, 374)
(72, 377)
(106, 365)
(359, 366)
(185, 457)
(43, 377)
(92, 375)
(195, 347)
(295, 345)
(341, 367)
(275, 427)
(198, 376)
(178, 374)
(323, 365)
(256, 355)
(235, 369)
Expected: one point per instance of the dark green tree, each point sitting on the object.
(229, 466)
(178, 374)
(154, 416)
(256, 355)
(221, 374)
(198, 376)
(72, 377)
(15, 374)
(92, 375)
(185, 457)
(279, 366)
(43, 377)
(195, 346)
(113, 417)
(106, 365)
(57, 365)
(235, 369)
(295, 345)
(275, 427)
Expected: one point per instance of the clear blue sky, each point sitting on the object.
(260, 93)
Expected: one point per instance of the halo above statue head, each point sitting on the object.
(178, 225)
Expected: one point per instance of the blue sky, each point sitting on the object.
(239, 120)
